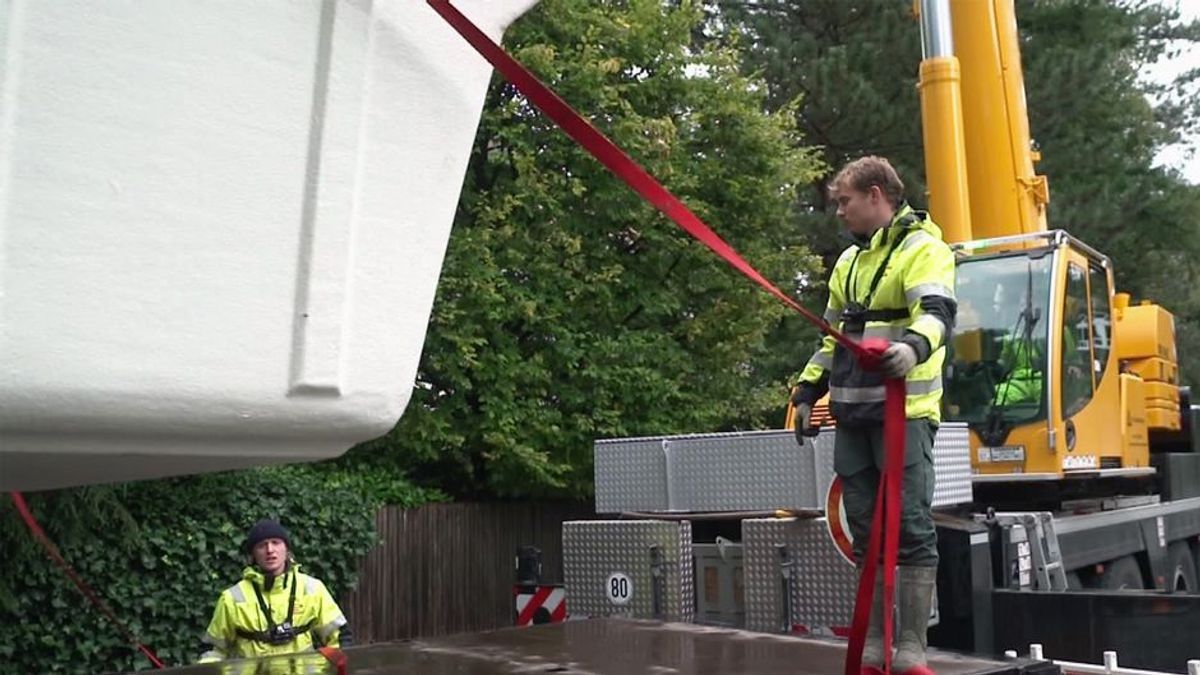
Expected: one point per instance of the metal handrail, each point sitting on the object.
(1052, 237)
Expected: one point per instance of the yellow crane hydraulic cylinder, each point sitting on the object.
(942, 120)
(1007, 197)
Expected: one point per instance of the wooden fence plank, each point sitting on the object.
(448, 568)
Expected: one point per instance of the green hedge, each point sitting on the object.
(160, 552)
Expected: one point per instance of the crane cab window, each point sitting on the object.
(998, 356)
(1076, 367)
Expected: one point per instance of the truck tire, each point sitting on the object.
(1123, 574)
(1181, 569)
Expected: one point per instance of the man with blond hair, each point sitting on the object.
(895, 282)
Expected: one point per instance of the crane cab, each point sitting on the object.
(1044, 353)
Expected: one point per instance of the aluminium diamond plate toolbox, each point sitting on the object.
(639, 569)
(746, 471)
(795, 577)
(796, 580)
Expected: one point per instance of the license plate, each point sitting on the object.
(1003, 453)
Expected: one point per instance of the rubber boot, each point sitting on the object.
(914, 599)
(872, 658)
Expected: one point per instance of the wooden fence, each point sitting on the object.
(449, 568)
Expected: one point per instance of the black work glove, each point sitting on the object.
(802, 419)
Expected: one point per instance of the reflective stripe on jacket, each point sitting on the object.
(913, 302)
(238, 613)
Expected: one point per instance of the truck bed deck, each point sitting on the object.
(622, 647)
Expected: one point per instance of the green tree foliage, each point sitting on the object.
(160, 552)
(568, 309)
(848, 71)
(1099, 126)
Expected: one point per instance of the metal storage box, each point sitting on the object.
(720, 584)
(746, 471)
(640, 569)
(822, 583)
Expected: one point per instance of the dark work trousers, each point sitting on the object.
(858, 459)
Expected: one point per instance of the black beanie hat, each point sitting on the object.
(265, 529)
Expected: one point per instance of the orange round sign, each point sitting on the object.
(835, 521)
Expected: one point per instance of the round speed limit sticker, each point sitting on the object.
(618, 588)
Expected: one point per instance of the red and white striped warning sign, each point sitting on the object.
(539, 604)
(835, 520)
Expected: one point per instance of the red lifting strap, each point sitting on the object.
(887, 518)
(868, 351)
(615, 159)
(335, 656)
(51, 550)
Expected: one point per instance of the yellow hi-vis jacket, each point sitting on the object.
(902, 280)
(239, 625)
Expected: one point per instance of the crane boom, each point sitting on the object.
(942, 122)
(972, 87)
(1007, 196)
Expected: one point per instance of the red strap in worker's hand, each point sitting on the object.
(621, 165)
(335, 656)
(885, 528)
(51, 550)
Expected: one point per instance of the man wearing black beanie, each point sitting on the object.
(275, 608)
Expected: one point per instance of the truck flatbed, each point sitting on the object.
(615, 647)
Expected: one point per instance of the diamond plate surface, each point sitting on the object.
(763, 583)
(823, 448)
(825, 584)
(595, 549)
(743, 471)
(952, 465)
(763, 470)
(631, 475)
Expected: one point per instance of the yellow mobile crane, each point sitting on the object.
(1054, 372)
(1084, 456)
(1056, 375)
